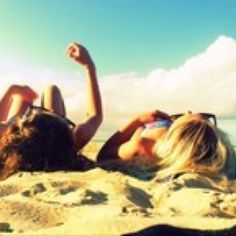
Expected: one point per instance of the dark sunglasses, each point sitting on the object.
(39, 109)
(208, 116)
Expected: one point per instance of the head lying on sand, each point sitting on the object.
(182, 143)
(42, 138)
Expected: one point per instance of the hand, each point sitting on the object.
(80, 54)
(149, 117)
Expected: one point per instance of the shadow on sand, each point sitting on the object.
(168, 230)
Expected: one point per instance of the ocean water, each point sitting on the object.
(229, 126)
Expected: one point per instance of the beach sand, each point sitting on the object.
(99, 202)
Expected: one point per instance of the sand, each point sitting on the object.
(99, 202)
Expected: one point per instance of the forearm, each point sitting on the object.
(126, 151)
(116, 146)
(94, 104)
(139, 122)
(119, 145)
(126, 132)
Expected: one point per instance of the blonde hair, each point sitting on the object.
(191, 145)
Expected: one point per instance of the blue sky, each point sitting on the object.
(122, 35)
(172, 55)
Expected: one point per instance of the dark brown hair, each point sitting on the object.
(40, 142)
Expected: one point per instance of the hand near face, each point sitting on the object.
(149, 117)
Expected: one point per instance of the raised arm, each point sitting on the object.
(123, 144)
(85, 131)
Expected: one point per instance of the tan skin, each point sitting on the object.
(133, 140)
(18, 98)
(85, 131)
(14, 102)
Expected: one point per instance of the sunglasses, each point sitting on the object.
(37, 109)
(208, 116)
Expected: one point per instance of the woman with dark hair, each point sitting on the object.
(42, 138)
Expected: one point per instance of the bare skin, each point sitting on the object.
(133, 140)
(129, 142)
(14, 102)
(85, 131)
(18, 98)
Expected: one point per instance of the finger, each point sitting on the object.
(71, 48)
(75, 52)
(75, 45)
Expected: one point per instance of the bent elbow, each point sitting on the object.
(98, 119)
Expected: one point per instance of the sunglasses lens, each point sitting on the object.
(210, 117)
(212, 120)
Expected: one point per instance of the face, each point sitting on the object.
(156, 133)
(152, 136)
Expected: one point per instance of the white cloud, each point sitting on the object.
(205, 82)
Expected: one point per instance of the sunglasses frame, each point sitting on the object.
(203, 114)
(30, 109)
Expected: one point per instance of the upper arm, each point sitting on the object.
(84, 132)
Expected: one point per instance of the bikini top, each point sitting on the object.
(158, 124)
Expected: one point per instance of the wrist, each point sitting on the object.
(140, 121)
(90, 67)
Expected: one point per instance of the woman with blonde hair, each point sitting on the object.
(173, 143)
(42, 138)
